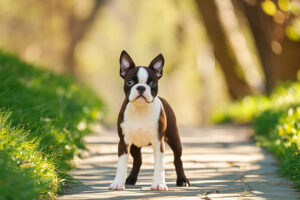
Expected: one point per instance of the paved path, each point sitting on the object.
(221, 163)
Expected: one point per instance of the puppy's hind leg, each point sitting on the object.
(137, 162)
(175, 144)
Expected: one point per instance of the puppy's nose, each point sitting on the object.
(141, 89)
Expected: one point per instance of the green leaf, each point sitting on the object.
(269, 7)
(284, 5)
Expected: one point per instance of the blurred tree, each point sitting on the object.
(47, 32)
(235, 79)
(76, 31)
(275, 27)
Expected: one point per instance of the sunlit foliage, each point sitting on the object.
(279, 131)
(245, 110)
(43, 118)
(285, 11)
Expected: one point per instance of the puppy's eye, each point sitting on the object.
(152, 84)
(130, 82)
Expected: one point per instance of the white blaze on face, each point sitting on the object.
(142, 76)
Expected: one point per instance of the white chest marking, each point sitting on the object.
(140, 124)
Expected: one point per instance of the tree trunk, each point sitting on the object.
(223, 51)
(77, 29)
(277, 66)
(288, 61)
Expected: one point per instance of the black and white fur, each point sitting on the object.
(145, 119)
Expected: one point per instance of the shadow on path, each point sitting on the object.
(221, 163)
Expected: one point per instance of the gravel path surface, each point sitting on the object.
(221, 162)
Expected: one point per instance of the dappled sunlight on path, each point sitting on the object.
(221, 163)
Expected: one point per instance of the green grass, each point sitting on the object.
(279, 131)
(43, 118)
(276, 123)
(245, 110)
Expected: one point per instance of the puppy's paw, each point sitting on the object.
(117, 185)
(159, 186)
(183, 182)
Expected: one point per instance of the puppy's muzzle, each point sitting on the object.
(141, 90)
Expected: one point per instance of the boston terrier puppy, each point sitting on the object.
(145, 119)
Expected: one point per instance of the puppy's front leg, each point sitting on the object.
(119, 182)
(159, 171)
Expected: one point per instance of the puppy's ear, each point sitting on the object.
(126, 63)
(156, 65)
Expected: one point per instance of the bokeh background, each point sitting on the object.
(216, 51)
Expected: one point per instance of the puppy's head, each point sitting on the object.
(140, 83)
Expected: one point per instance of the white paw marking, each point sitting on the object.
(117, 185)
(159, 171)
(159, 186)
(119, 182)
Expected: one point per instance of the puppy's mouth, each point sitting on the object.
(141, 98)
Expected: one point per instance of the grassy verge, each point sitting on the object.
(279, 131)
(276, 122)
(43, 118)
(245, 110)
